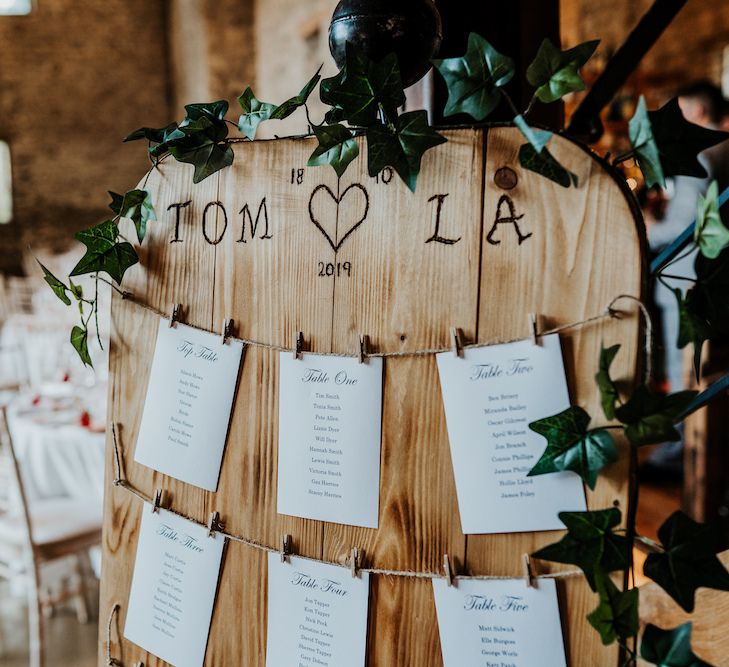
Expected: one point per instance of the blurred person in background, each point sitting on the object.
(702, 103)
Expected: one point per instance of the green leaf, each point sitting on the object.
(76, 290)
(689, 560)
(545, 164)
(570, 446)
(155, 135)
(537, 138)
(80, 342)
(136, 205)
(710, 234)
(104, 252)
(213, 111)
(679, 142)
(640, 132)
(474, 79)
(650, 418)
(254, 113)
(59, 289)
(691, 328)
(555, 73)
(402, 146)
(669, 648)
(590, 544)
(616, 617)
(288, 107)
(337, 147)
(362, 86)
(201, 143)
(608, 391)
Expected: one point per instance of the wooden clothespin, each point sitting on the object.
(457, 341)
(285, 547)
(213, 523)
(227, 330)
(448, 570)
(175, 316)
(158, 496)
(533, 328)
(364, 348)
(528, 574)
(354, 561)
(298, 345)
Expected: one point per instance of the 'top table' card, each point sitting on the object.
(491, 395)
(189, 402)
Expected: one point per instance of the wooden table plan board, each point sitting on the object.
(280, 248)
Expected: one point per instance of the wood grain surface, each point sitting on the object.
(404, 285)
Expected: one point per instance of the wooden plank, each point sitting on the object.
(403, 288)
(709, 640)
(584, 250)
(180, 272)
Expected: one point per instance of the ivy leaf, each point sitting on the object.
(155, 135)
(76, 290)
(104, 252)
(401, 146)
(136, 205)
(616, 617)
(474, 79)
(555, 73)
(650, 418)
(669, 648)
(362, 86)
(679, 142)
(590, 544)
(80, 342)
(537, 138)
(213, 111)
(201, 142)
(570, 446)
(710, 234)
(288, 107)
(642, 140)
(608, 391)
(254, 113)
(691, 328)
(337, 147)
(689, 559)
(545, 164)
(59, 289)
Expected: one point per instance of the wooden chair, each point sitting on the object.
(39, 533)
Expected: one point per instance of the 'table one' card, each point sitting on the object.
(499, 623)
(330, 422)
(173, 588)
(491, 395)
(317, 614)
(188, 406)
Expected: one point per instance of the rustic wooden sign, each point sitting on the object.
(280, 248)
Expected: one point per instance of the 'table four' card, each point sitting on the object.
(499, 623)
(317, 614)
(330, 421)
(173, 588)
(491, 394)
(189, 403)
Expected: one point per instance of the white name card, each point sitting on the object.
(317, 614)
(173, 588)
(330, 422)
(188, 406)
(499, 623)
(491, 395)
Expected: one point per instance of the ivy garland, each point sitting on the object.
(364, 98)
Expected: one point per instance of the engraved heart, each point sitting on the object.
(347, 216)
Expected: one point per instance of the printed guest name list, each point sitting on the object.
(329, 439)
(491, 395)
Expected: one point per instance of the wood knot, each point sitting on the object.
(506, 178)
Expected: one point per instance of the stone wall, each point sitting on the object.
(75, 77)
